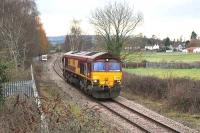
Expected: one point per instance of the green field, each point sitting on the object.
(163, 57)
(167, 73)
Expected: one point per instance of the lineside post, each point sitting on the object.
(44, 124)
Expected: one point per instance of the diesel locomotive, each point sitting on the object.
(97, 73)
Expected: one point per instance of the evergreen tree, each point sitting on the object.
(193, 35)
(167, 42)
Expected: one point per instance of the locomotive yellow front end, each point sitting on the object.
(106, 78)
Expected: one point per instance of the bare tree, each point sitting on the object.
(18, 28)
(73, 40)
(115, 23)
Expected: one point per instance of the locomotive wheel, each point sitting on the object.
(81, 85)
(88, 89)
(67, 78)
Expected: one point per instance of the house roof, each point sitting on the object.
(191, 48)
(194, 43)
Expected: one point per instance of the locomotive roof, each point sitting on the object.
(86, 54)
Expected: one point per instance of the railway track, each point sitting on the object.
(134, 117)
(58, 69)
(137, 119)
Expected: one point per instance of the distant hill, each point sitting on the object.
(56, 40)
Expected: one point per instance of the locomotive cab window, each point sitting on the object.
(81, 68)
(99, 66)
(65, 61)
(114, 66)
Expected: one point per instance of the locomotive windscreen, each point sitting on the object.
(99, 66)
(114, 66)
(106, 66)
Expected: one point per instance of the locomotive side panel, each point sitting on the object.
(77, 67)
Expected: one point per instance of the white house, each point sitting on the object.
(169, 51)
(185, 51)
(192, 50)
(196, 50)
(155, 47)
(179, 47)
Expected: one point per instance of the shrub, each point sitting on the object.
(145, 85)
(184, 95)
(19, 115)
(181, 93)
(3, 68)
(3, 78)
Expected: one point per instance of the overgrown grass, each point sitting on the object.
(166, 73)
(172, 96)
(19, 115)
(15, 75)
(66, 116)
(163, 57)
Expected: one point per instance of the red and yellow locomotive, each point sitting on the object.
(97, 73)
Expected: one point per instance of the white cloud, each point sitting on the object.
(159, 19)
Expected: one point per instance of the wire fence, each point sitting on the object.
(164, 65)
(173, 65)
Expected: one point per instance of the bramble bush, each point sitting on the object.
(182, 94)
(3, 78)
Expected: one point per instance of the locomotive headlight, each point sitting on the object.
(96, 81)
(118, 81)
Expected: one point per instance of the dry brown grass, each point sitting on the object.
(18, 75)
(66, 116)
(19, 116)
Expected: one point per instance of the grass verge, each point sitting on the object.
(166, 73)
(163, 57)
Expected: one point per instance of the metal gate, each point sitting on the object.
(21, 88)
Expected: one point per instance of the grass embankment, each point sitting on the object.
(19, 115)
(163, 57)
(177, 98)
(166, 73)
(64, 115)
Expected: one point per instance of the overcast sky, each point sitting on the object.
(172, 18)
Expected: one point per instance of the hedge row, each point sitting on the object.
(181, 94)
(167, 65)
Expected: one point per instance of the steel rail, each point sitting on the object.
(145, 116)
